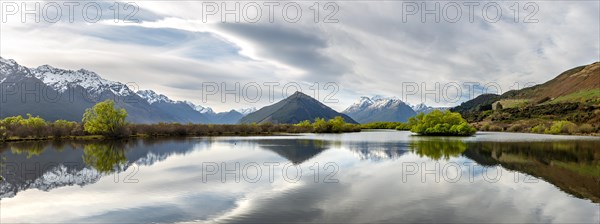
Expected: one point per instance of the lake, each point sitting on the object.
(372, 176)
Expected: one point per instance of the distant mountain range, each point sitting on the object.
(380, 108)
(294, 109)
(54, 93)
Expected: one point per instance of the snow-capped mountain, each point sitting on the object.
(201, 109)
(65, 94)
(9, 66)
(362, 104)
(152, 97)
(61, 79)
(422, 108)
(246, 111)
(379, 108)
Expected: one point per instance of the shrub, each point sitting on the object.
(336, 124)
(3, 133)
(305, 124)
(540, 128)
(516, 128)
(586, 128)
(320, 126)
(441, 123)
(564, 127)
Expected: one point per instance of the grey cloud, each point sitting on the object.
(300, 48)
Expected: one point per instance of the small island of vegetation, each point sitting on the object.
(436, 123)
(441, 123)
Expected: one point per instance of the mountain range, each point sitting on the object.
(380, 108)
(54, 93)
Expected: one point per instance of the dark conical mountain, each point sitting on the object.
(294, 109)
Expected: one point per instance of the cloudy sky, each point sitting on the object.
(345, 50)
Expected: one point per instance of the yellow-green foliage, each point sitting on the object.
(441, 123)
(438, 149)
(335, 125)
(104, 119)
(540, 128)
(304, 124)
(562, 127)
(386, 125)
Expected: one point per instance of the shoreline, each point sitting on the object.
(231, 134)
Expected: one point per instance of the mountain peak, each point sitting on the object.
(293, 109)
(199, 108)
(299, 94)
(61, 79)
(246, 111)
(7, 61)
(153, 97)
(379, 108)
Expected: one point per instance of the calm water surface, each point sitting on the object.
(379, 176)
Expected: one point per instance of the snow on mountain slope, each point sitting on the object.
(426, 109)
(379, 108)
(376, 102)
(153, 97)
(246, 111)
(9, 66)
(199, 108)
(61, 80)
(362, 104)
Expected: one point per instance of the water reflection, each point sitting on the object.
(104, 157)
(438, 148)
(296, 151)
(573, 166)
(172, 188)
(49, 165)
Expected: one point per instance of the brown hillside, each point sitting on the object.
(574, 80)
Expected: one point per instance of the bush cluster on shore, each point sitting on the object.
(104, 119)
(36, 128)
(335, 125)
(387, 125)
(561, 127)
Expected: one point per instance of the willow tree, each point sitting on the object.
(105, 119)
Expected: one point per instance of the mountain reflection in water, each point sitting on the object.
(571, 165)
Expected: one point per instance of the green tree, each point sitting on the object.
(105, 119)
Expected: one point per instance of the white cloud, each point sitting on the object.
(370, 51)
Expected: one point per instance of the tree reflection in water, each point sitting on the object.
(438, 148)
(104, 157)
